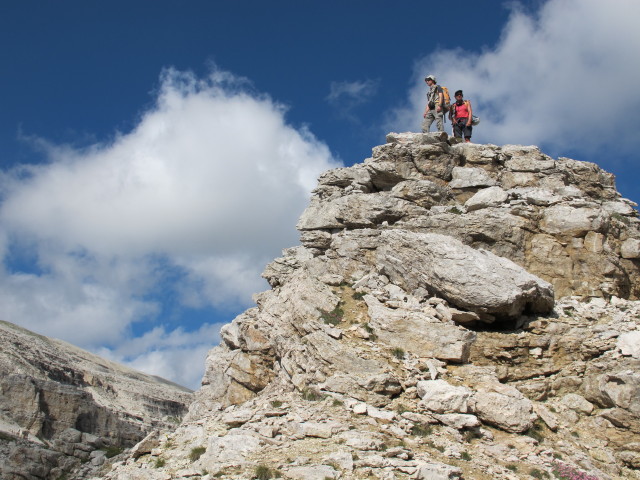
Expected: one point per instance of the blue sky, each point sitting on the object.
(155, 155)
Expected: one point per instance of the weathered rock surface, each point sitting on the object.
(61, 407)
(475, 280)
(454, 311)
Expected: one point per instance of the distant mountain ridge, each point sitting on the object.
(62, 400)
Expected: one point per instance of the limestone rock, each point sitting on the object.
(616, 389)
(547, 416)
(630, 248)
(437, 471)
(466, 177)
(475, 280)
(577, 403)
(629, 344)
(458, 420)
(411, 138)
(343, 460)
(362, 441)
(504, 407)
(441, 397)
(380, 415)
(355, 211)
(419, 333)
(146, 445)
(424, 193)
(572, 221)
(485, 198)
(233, 447)
(313, 472)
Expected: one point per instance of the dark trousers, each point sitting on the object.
(460, 128)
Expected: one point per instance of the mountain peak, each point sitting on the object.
(453, 311)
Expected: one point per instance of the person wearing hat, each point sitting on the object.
(461, 116)
(433, 110)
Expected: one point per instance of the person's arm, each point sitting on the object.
(441, 100)
(470, 113)
(426, 108)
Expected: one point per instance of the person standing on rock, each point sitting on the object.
(461, 116)
(434, 109)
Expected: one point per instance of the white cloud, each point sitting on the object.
(197, 165)
(191, 204)
(352, 92)
(176, 355)
(346, 96)
(562, 76)
(217, 280)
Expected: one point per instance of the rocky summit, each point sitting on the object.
(63, 411)
(454, 311)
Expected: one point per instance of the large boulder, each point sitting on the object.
(441, 397)
(504, 407)
(471, 279)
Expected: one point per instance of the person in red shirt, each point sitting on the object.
(461, 116)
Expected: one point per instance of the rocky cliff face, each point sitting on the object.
(454, 311)
(61, 406)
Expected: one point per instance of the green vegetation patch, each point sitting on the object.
(358, 295)
(470, 435)
(421, 430)
(263, 472)
(113, 450)
(312, 395)
(334, 317)
(398, 353)
(536, 432)
(196, 453)
(536, 473)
